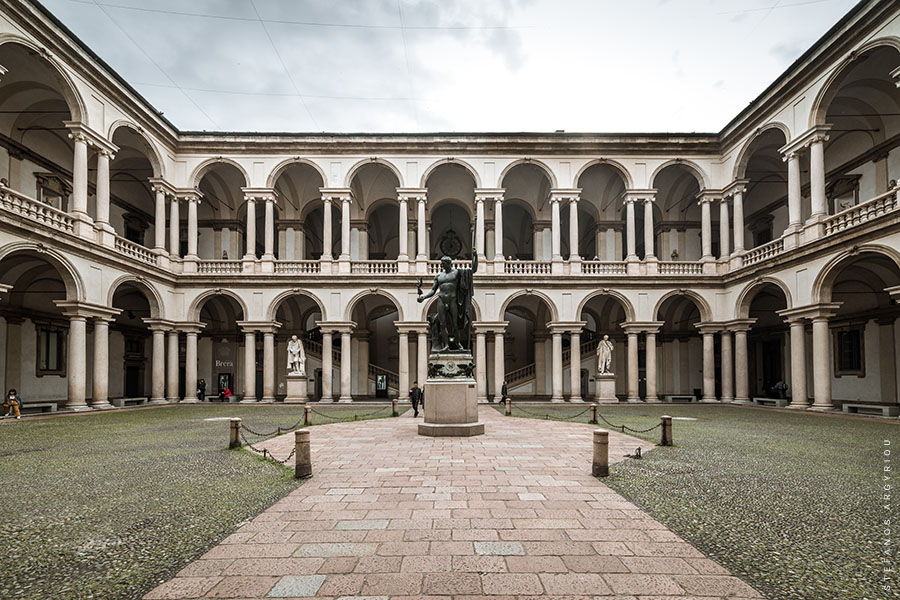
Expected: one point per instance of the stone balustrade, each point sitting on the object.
(764, 252)
(43, 214)
(861, 213)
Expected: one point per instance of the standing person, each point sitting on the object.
(201, 390)
(11, 404)
(416, 397)
(503, 394)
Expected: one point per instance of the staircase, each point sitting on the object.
(314, 349)
(525, 375)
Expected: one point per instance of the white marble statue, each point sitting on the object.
(604, 356)
(296, 357)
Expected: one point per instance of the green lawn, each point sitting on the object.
(109, 505)
(790, 502)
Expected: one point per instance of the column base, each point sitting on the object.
(268, 264)
(634, 400)
(736, 261)
(403, 264)
(821, 408)
(557, 399)
(651, 399)
(727, 400)
(324, 400)
(78, 408)
(791, 236)
(709, 400)
(190, 264)
(84, 226)
(557, 266)
(190, 400)
(344, 264)
(174, 400)
(742, 401)
(249, 264)
(576, 399)
(106, 235)
(101, 405)
(268, 400)
(251, 400)
(421, 265)
(345, 399)
(325, 266)
(798, 406)
(157, 401)
(574, 265)
(813, 229)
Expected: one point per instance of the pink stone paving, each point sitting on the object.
(514, 513)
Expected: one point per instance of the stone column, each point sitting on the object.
(250, 236)
(498, 229)
(540, 365)
(100, 387)
(633, 392)
(327, 241)
(555, 227)
(346, 364)
(159, 239)
(575, 367)
(817, 178)
(795, 212)
(650, 350)
(190, 365)
(76, 380)
(709, 367)
(193, 232)
(345, 232)
(403, 239)
(557, 383)
(174, 229)
(799, 394)
(158, 362)
(172, 367)
(821, 363)
(103, 158)
(727, 368)
(630, 235)
(422, 358)
(327, 368)
(649, 251)
(269, 242)
(268, 365)
(421, 246)
(499, 363)
(573, 229)
(80, 176)
(724, 230)
(738, 199)
(249, 367)
(480, 366)
(705, 229)
(403, 367)
(741, 367)
(479, 226)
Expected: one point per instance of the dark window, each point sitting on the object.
(50, 352)
(848, 355)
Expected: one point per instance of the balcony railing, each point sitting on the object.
(861, 213)
(374, 267)
(434, 266)
(603, 267)
(764, 252)
(680, 268)
(136, 251)
(212, 267)
(297, 267)
(14, 202)
(527, 267)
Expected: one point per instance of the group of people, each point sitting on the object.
(224, 394)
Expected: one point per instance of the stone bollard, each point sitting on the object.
(307, 416)
(593, 420)
(601, 453)
(666, 422)
(234, 433)
(302, 458)
(394, 411)
(508, 407)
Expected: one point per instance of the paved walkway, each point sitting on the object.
(514, 513)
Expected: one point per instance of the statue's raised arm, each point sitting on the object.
(434, 288)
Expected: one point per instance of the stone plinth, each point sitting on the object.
(296, 389)
(606, 389)
(451, 403)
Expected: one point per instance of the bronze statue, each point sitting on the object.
(450, 325)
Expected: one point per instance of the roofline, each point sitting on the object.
(448, 134)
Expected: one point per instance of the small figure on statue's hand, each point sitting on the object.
(449, 326)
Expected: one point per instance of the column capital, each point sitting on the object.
(566, 326)
(821, 310)
(252, 194)
(80, 132)
(490, 326)
(738, 186)
(336, 326)
(736, 324)
(412, 194)
(190, 326)
(260, 326)
(336, 194)
(643, 326)
(708, 196)
(75, 308)
(188, 194)
(635, 195)
(158, 184)
(159, 324)
(563, 194)
(710, 327)
(816, 133)
(488, 194)
(411, 326)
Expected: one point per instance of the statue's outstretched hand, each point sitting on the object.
(420, 299)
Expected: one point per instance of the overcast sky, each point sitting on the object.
(450, 65)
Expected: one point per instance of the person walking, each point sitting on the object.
(12, 404)
(201, 390)
(416, 397)
(503, 394)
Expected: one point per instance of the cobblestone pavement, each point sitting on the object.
(514, 513)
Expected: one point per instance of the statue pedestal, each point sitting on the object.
(451, 405)
(296, 389)
(606, 389)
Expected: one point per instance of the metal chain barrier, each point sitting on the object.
(278, 431)
(265, 452)
(282, 430)
(355, 416)
(623, 428)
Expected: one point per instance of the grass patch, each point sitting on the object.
(109, 505)
(790, 502)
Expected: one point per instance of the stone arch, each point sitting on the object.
(272, 179)
(466, 206)
(551, 176)
(272, 310)
(67, 271)
(207, 164)
(348, 180)
(706, 313)
(701, 176)
(630, 314)
(150, 293)
(833, 84)
(198, 302)
(426, 306)
(745, 298)
(430, 169)
(154, 156)
(551, 306)
(616, 165)
(822, 286)
(375, 205)
(519, 203)
(67, 87)
(351, 305)
(740, 165)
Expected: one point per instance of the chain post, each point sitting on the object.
(666, 426)
(234, 433)
(307, 416)
(600, 467)
(302, 458)
(593, 420)
(508, 407)
(394, 411)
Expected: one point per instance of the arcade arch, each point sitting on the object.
(297, 186)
